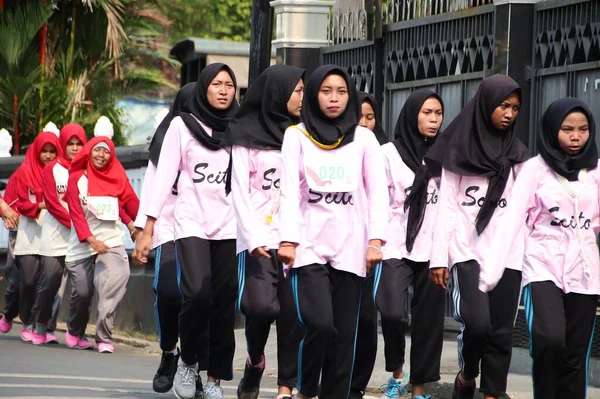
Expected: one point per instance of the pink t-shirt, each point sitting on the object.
(560, 245)
(333, 201)
(400, 179)
(164, 227)
(455, 238)
(202, 209)
(255, 190)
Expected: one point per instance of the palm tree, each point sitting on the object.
(74, 58)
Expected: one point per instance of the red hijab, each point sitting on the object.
(110, 181)
(69, 131)
(30, 171)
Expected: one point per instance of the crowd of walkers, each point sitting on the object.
(295, 207)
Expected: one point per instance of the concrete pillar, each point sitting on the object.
(301, 30)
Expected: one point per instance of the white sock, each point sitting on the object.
(174, 351)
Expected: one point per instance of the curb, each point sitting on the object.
(91, 330)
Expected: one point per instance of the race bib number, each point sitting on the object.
(104, 208)
(330, 171)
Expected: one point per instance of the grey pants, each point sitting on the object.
(106, 274)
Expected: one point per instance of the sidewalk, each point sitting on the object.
(519, 386)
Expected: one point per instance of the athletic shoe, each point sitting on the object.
(395, 389)
(71, 340)
(5, 325)
(39, 334)
(356, 395)
(199, 388)
(163, 379)
(51, 338)
(26, 334)
(84, 343)
(38, 339)
(213, 390)
(184, 383)
(104, 347)
(250, 384)
(288, 397)
(461, 390)
(422, 397)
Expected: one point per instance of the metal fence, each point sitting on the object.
(566, 56)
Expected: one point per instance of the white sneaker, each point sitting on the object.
(213, 390)
(184, 383)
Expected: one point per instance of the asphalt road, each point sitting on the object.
(55, 371)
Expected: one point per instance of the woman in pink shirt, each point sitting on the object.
(333, 221)
(270, 106)
(168, 298)
(477, 157)
(558, 202)
(55, 232)
(413, 207)
(205, 229)
(366, 335)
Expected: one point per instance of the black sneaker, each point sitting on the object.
(356, 395)
(163, 379)
(250, 383)
(462, 391)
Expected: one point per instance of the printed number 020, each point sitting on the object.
(331, 173)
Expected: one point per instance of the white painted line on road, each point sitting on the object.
(100, 379)
(95, 397)
(73, 377)
(68, 387)
(92, 397)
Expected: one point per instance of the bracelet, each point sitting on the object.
(287, 244)
(376, 248)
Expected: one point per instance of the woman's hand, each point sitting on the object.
(439, 276)
(287, 253)
(97, 245)
(143, 244)
(374, 254)
(135, 234)
(9, 217)
(261, 251)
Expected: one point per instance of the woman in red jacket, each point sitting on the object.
(100, 197)
(55, 232)
(30, 204)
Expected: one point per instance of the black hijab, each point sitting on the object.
(412, 147)
(472, 146)
(378, 130)
(322, 129)
(157, 140)
(198, 106)
(263, 116)
(562, 163)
